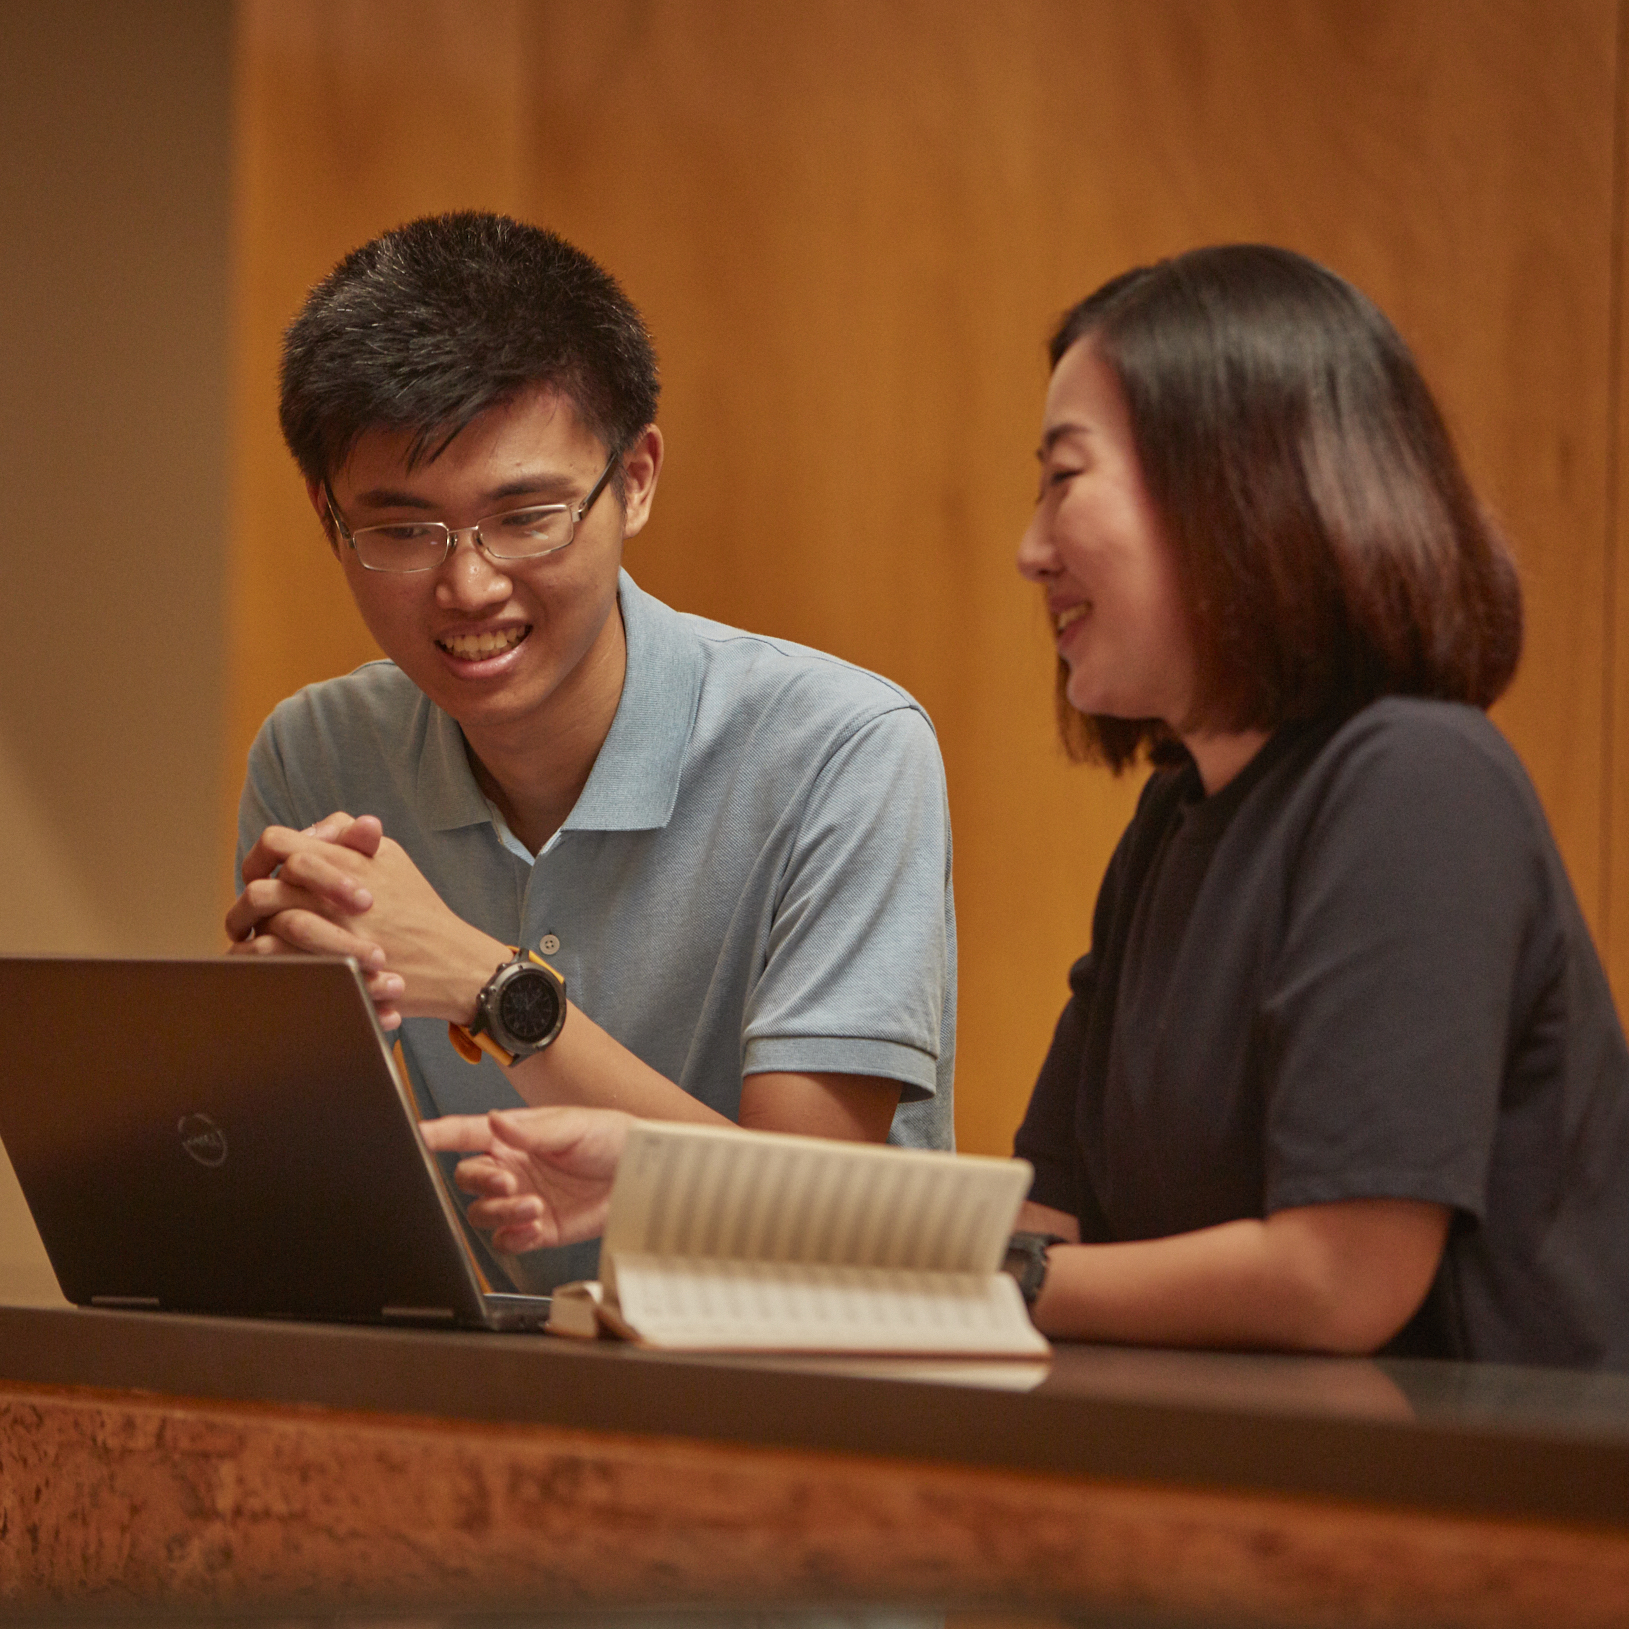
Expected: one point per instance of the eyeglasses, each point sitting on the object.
(422, 545)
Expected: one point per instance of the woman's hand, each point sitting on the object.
(541, 1176)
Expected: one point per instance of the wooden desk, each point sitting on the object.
(255, 1466)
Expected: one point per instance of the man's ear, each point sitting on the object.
(641, 464)
(314, 490)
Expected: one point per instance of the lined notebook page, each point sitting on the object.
(728, 1195)
(751, 1306)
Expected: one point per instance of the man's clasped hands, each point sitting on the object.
(540, 1176)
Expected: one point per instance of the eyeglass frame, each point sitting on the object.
(576, 512)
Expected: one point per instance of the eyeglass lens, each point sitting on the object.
(422, 545)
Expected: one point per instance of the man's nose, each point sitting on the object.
(469, 576)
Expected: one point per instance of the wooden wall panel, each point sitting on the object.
(352, 116)
(1614, 931)
(851, 223)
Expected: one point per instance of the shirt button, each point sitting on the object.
(549, 943)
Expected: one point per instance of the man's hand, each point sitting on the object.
(542, 1176)
(341, 888)
(287, 871)
(253, 929)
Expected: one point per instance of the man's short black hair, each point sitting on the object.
(429, 325)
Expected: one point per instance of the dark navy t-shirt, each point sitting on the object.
(1357, 971)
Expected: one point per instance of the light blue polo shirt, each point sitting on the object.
(756, 876)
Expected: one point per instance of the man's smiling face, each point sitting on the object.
(500, 645)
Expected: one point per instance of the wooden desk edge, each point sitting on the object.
(110, 1499)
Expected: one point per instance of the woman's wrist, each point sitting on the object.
(1027, 1261)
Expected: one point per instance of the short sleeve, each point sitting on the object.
(859, 955)
(1411, 904)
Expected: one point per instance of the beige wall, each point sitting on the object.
(114, 207)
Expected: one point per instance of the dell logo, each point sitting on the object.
(202, 1139)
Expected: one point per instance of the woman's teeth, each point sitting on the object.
(472, 647)
(1067, 618)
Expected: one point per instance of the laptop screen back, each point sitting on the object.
(224, 1136)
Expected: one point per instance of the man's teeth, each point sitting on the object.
(474, 646)
(1066, 618)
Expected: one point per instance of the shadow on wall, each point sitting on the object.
(26, 1279)
(47, 908)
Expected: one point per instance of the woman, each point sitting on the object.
(1341, 1070)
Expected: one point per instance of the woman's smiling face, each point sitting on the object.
(1096, 548)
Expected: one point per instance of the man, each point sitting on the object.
(734, 851)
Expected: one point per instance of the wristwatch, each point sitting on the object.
(1026, 1261)
(519, 1011)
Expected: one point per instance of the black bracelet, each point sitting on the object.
(1026, 1261)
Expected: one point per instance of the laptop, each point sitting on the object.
(230, 1137)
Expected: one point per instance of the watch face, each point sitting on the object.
(529, 1005)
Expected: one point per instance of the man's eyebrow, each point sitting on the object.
(388, 497)
(551, 488)
(547, 488)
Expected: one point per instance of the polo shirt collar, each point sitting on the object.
(635, 780)
(446, 788)
(634, 783)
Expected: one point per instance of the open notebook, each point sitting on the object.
(727, 1240)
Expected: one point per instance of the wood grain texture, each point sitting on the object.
(851, 223)
(351, 117)
(1614, 829)
(118, 1500)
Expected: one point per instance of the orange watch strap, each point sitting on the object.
(470, 1044)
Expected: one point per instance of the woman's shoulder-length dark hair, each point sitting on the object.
(1329, 546)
